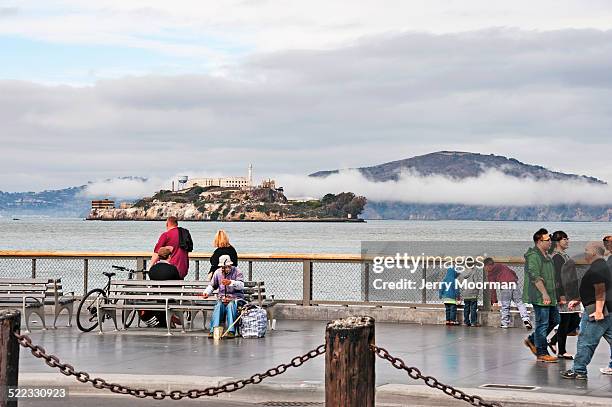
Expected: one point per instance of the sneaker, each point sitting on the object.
(504, 326)
(211, 336)
(606, 371)
(468, 324)
(570, 374)
(547, 359)
(552, 347)
(476, 325)
(230, 335)
(531, 346)
(528, 325)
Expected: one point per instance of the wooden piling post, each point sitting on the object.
(10, 321)
(349, 363)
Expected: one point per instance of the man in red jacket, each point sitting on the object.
(503, 274)
(171, 238)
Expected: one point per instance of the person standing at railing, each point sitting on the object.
(173, 237)
(222, 247)
(229, 282)
(500, 273)
(471, 275)
(450, 295)
(539, 291)
(566, 280)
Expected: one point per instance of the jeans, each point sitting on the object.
(546, 318)
(227, 313)
(470, 312)
(590, 335)
(505, 298)
(568, 324)
(451, 312)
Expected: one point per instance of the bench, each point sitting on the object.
(26, 294)
(32, 294)
(173, 297)
(59, 299)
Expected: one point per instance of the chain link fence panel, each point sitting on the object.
(335, 281)
(15, 268)
(283, 279)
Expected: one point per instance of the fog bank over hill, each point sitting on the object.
(441, 185)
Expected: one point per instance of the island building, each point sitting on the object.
(185, 182)
(103, 204)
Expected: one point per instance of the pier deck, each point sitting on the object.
(460, 356)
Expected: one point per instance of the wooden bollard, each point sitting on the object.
(349, 363)
(10, 321)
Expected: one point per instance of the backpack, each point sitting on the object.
(254, 323)
(185, 241)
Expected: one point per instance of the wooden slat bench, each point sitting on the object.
(26, 294)
(174, 297)
(32, 294)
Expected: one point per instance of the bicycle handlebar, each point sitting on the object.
(131, 271)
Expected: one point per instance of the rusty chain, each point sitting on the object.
(431, 381)
(99, 383)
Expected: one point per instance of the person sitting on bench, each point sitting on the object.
(229, 282)
(162, 270)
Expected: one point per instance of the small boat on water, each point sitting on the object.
(16, 219)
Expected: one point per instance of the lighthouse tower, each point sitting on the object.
(250, 177)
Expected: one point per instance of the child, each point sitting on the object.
(470, 295)
(449, 293)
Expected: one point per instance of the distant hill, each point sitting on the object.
(460, 165)
(67, 202)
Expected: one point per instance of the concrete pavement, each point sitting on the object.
(464, 357)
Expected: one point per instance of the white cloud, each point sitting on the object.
(492, 188)
(192, 27)
(541, 97)
(123, 188)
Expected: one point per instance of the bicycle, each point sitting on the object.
(87, 313)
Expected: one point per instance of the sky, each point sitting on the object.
(96, 90)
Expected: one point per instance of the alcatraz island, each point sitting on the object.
(231, 199)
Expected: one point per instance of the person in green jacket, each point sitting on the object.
(539, 291)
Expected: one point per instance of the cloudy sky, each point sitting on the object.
(107, 88)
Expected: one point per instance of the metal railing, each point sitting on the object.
(304, 279)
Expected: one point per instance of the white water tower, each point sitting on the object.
(182, 180)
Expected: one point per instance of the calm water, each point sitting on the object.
(79, 235)
(282, 279)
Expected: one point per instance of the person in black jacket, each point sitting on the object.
(162, 270)
(223, 246)
(566, 281)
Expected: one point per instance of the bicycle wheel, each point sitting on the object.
(128, 316)
(87, 313)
